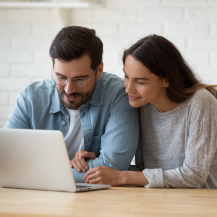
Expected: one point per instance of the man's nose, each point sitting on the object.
(70, 87)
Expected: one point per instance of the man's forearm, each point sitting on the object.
(78, 177)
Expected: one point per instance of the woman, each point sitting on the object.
(178, 117)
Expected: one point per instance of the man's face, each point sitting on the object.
(73, 97)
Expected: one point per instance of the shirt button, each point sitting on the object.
(63, 122)
(87, 140)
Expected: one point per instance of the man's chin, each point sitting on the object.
(72, 105)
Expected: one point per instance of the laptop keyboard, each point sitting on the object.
(82, 186)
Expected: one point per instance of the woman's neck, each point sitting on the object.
(164, 104)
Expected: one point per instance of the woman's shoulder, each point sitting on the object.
(202, 98)
(202, 104)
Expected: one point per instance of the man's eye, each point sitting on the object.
(81, 80)
(61, 78)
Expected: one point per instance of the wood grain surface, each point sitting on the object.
(118, 201)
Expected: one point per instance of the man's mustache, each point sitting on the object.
(72, 94)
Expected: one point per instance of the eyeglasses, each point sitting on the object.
(78, 82)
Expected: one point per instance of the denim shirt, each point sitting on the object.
(109, 124)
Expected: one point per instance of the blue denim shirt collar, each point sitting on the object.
(57, 104)
(96, 98)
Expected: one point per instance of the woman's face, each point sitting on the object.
(142, 86)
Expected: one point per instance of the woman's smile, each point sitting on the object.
(131, 97)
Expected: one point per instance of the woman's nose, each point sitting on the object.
(129, 87)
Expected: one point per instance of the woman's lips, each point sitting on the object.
(71, 98)
(133, 97)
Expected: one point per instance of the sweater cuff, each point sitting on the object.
(154, 177)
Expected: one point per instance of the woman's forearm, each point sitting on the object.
(132, 178)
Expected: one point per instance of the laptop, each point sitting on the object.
(37, 159)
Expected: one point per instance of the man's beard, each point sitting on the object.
(74, 105)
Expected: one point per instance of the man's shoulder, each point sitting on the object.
(39, 87)
(112, 83)
(112, 92)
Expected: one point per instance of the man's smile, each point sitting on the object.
(71, 97)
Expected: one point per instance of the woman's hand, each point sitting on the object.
(79, 161)
(104, 175)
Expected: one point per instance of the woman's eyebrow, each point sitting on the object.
(142, 79)
(137, 78)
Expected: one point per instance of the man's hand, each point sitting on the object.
(104, 175)
(79, 161)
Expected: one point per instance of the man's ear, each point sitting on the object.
(100, 70)
(166, 82)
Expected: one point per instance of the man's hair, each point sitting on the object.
(73, 42)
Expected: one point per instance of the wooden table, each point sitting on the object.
(122, 201)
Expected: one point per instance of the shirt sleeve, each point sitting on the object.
(200, 150)
(19, 117)
(120, 139)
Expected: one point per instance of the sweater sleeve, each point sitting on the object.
(200, 150)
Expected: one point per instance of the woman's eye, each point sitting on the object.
(139, 82)
(125, 76)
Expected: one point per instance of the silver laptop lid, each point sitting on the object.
(48, 163)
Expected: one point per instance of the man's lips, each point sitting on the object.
(71, 98)
(133, 97)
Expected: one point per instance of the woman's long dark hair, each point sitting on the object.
(163, 59)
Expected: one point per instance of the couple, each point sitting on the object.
(175, 127)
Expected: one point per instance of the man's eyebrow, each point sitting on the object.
(82, 76)
(57, 73)
(137, 78)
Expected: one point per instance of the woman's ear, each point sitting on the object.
(165, 82)
(100, 70)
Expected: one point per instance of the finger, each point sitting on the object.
(84, 164)
(90, 177)
(79, 165)
(94, 181)
(84, 154)
(88, 155)
(79, 152)
(89, 172)
(75, 165)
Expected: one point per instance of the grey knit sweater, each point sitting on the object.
(178, 148)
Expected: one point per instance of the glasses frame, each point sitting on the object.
(73, 81)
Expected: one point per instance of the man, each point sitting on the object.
(89, 106)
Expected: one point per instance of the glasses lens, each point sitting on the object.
(81, 83)
(60, 80)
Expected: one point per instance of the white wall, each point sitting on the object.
(25, 37)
